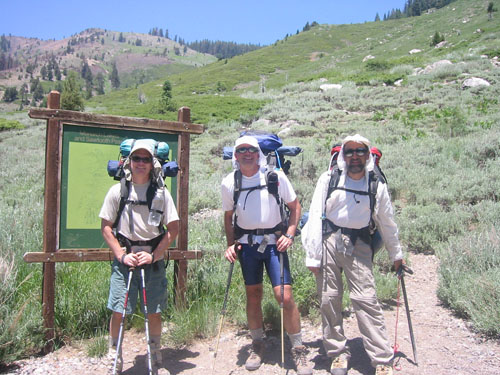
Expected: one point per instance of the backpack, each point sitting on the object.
(272, 147)
(169, 168)
(369, 234)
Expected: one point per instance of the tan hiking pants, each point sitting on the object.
(358, 271)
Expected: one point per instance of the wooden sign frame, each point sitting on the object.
(51, 254)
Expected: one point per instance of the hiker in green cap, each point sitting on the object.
(136, 236)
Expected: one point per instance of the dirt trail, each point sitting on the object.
(445, 345)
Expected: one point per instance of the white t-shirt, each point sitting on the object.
(140, 213)
(347, 209)
(256, 208)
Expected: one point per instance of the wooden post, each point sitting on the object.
(51, 218)
(180, 266)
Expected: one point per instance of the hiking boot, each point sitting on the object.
(383, 370)
(111, 360)
(299, 355)
(256, 353)
(339, 365)
(157, 360)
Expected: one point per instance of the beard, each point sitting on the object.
(355, 168)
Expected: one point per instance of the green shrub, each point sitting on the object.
(377, 65)
(10, 124)
(473, 260)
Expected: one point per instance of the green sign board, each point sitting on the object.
(85, 180)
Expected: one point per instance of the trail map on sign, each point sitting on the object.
(85, 180)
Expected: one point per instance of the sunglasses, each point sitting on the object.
(137, 159)
(250, 149)
(359, 151)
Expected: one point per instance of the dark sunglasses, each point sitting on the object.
(359, 151)
(137, 159)
(250, 149)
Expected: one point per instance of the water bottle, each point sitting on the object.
(156, 211)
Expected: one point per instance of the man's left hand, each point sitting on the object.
(144, 258)
(398, 263)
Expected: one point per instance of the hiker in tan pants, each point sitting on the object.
(344, 218)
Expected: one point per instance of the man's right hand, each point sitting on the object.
(230, 253)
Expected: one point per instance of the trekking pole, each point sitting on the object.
(120, 334)
(223, 311)
(282, 290)
(146, 321)
(401, 273)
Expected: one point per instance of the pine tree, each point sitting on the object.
(115, 79)
(23, 91)
(436, 39)
(99, 84)
(57, 72)
(166, 103)
(43, 72)
(38, 92)
(491, 8)
(71, 98)
(4, 44)
(10, 94)
(88, 89)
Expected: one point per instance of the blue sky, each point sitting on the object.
(250, 21)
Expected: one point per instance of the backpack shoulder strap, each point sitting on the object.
(124, 192)
(373, 181)
(237, 187)
(333, 182)
(150, 193)
(272, 183)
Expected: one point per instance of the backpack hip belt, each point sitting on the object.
(364, 233)
(239, 232)
(128, 243)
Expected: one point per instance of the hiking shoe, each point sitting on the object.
(256, 353)
(339, 365)
(383, 370)
(111, 360)
(157, 360)
(299, 355)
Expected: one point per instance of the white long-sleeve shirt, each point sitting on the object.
(346, 209)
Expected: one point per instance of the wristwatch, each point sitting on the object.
(289, 236)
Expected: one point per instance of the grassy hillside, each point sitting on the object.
(333, 52)
(441, 145)
(139, 58)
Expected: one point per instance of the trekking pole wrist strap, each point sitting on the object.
(123, 258)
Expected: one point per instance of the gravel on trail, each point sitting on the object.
(445, 344)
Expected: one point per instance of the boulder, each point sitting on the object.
(330, 86)
(474, 82)
(415, 50)
(441, 44)
(438, 64)
(369, 57)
